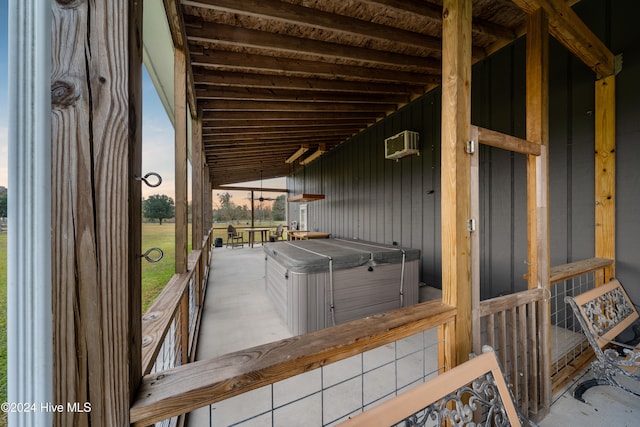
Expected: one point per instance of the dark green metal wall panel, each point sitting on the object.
(385, 201)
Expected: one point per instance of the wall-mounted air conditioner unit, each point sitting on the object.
(401, 145)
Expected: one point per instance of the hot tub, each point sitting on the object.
(318, 283)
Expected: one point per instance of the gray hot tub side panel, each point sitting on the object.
(304, 299)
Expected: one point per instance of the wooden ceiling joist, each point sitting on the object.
(227, 35)
(305, 16)
(226, 78)
(280, 138)
(271, 125)
(268, 76)
(241, 105)
(292, 116)
(434, 12)
(298, 130)
(566, 27)
(294, 95)
(279, 65)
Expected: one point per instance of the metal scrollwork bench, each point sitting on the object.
(604, 313)
(473, 393)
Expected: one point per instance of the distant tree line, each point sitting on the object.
(161, 207)
(227, 210)
(3, 202)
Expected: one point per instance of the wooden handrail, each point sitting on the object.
(157, 319)
(182, 389)
(578, 268)
(495, 305)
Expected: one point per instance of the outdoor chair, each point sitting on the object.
(234, 237)
(277, 235)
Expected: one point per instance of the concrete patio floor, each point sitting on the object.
(238, 314)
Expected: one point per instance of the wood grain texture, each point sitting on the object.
(499, 304)
(91, 179)
(537, 83)
(456, 121)
(512, 329)
(135, 198)
(573, 33)
(180, 108)
(605, 170)
(578, 268)
(475, 243)
(200, 383)
(506, 142)
(197, 203)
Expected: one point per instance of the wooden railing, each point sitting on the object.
(184, 388)
(519, 327)
(514, 325)
(169, 327)
(570, 349)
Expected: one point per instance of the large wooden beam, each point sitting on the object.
(456, 124)
(271, 106)
(227, 35)
(574, 34)
(180, 108)
(605, 166)
(271, 94)
(318, 19)
(433, 12)
(537, 89)
(271, 81)
(95, 113)
(244, 62)
(197, 178)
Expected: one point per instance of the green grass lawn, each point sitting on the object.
(156, 275)
(3, 318)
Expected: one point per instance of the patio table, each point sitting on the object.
(252, 237)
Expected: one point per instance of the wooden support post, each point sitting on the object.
(209, 198)
(184, 327)
(605, 167)
(474, 208)
(456, 122)
(197, 178)
(197, 199)
(180, 108)
(538, 132)
(135, 191)
(537, 83)
(96, 93)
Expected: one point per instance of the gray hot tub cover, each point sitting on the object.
(313, 256)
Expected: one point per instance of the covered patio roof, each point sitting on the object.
(271, 77)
